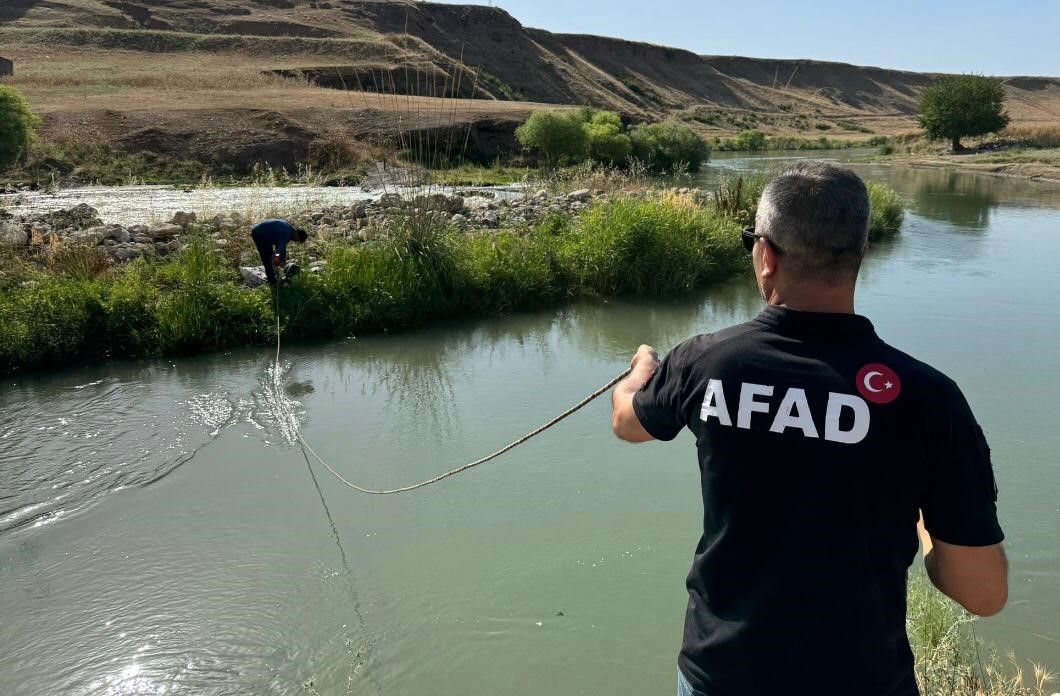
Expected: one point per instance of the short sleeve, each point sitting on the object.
(658, 403)
(961, 501)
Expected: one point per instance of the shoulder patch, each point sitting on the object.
(878, 383)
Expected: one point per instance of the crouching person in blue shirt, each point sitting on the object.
(271, 238)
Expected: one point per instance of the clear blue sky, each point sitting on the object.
(1016, 37)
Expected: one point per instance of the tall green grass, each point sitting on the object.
(887, 211)
(649, 246)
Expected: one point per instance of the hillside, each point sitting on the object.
(266, 77)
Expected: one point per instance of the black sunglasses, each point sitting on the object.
(748, 235)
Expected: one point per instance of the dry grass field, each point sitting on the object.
(179, 78)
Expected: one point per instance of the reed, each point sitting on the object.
(950, 659)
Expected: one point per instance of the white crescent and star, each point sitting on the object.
(868, 381)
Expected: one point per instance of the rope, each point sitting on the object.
(453, 472)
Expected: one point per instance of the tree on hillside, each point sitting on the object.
(18, 125)
(559, 136)
(957, 106)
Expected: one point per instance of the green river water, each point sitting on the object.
(159, 533)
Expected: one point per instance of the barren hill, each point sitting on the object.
(260, 68)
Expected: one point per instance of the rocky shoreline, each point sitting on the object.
(354, 223)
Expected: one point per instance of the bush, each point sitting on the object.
(18, 126)
(668, 146)
(558, 136)
(646, 246)
(751, 140)
(887, 211)
(608, 142)
(956, 106)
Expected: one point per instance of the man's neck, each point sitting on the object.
(826, 300)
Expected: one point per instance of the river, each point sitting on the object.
(159, 533)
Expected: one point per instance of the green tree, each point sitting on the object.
(664, 146)
(559, 136)
(608, 141)
(18, 125)
(956, 106)
(751, 140)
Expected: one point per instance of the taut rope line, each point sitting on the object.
(470, 465)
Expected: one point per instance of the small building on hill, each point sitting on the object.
(7, 67)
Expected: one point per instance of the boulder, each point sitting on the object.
(117, 233)
(253, 276)
(224, 223)
(478, 203)
(580, 195)
(79, 217)
(490, 218)
(164, 229)
(124, 254)
(12, 235)
(90, 237)
(183, 219)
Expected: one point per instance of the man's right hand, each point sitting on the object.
(644, 363)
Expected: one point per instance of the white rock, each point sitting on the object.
(254, 276)
(580, 195)
(478, 203)
(164, 229)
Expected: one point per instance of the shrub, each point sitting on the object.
(887, 211)
(956, 106)
(751, 140)
(558, 136)
(649, 246)
(668, 145)
(18, 125)
(51, 322)
(608, 142)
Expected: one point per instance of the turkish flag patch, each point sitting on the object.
(878, 383)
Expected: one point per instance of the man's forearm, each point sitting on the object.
(624, 420)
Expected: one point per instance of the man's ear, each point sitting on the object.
(770, 258)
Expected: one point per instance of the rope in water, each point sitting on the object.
(453, 472)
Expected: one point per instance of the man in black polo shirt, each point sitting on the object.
(819, 448)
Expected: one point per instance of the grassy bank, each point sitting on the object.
(1019, 151)
(65, 303)
(79, 310)
(952, 661)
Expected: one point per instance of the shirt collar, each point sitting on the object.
(823, 325)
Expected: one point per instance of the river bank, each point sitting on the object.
(1033, 164)
(77, 289)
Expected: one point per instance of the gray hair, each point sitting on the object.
(817, 213)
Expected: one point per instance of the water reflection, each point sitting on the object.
(962, 200)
